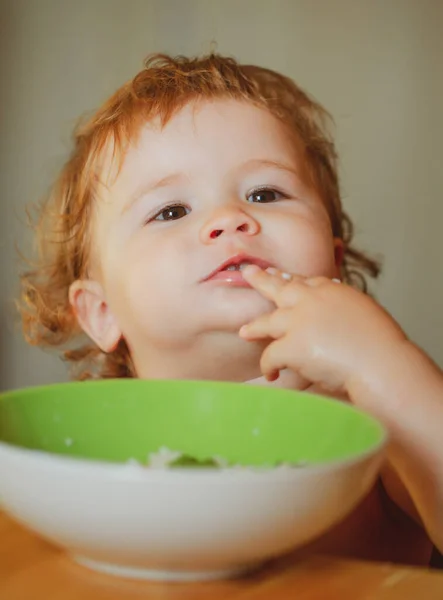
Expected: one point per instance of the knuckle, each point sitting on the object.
(279, 319)
(290, 294)
(319, 281)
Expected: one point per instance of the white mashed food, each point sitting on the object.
(165, 458)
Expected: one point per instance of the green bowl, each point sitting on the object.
(72, 468)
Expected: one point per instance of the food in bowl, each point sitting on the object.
(166, 458)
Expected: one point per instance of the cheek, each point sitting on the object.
(142, 283)
(148, 277)
(308, 247)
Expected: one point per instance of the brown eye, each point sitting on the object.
(264, 195)
(172, 213)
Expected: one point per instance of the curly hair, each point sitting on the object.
(162, 88)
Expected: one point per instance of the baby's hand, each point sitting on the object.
(339, 338)
(326, 331)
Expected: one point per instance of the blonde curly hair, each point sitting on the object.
(164, 86)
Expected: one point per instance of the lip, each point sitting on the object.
(221, 275)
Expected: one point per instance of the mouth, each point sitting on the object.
(231, 270)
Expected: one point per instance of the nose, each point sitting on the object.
(228, 221)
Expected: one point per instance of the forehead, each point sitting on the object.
(202, 138)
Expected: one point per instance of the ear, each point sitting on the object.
(93, 314)
(339, 254)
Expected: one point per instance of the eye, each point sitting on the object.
(264, 195)
(172, 213)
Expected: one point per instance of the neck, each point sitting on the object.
(220, 359)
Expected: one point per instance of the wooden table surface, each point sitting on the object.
(32, 569)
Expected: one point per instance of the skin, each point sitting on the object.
(342, 340)
(180, 207)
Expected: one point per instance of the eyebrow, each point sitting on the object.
(175, 178)
(252, 164)
(167, 181)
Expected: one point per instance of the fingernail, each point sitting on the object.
(335, 280)
(286, 276)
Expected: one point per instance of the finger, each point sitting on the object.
(272, 376)
(285, 276)
(283, 354)
(272, 325)
(274, 359)
(271, 285)
(320, 281)
(266, 283)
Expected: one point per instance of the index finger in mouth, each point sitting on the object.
(270, 282)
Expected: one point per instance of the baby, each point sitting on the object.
(197, 232)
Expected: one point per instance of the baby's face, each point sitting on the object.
(221, 182)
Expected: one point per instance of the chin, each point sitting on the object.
(237, 314)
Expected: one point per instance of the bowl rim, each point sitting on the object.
(139, 473)
(132, 470)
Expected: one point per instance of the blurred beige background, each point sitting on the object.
(376, 64)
